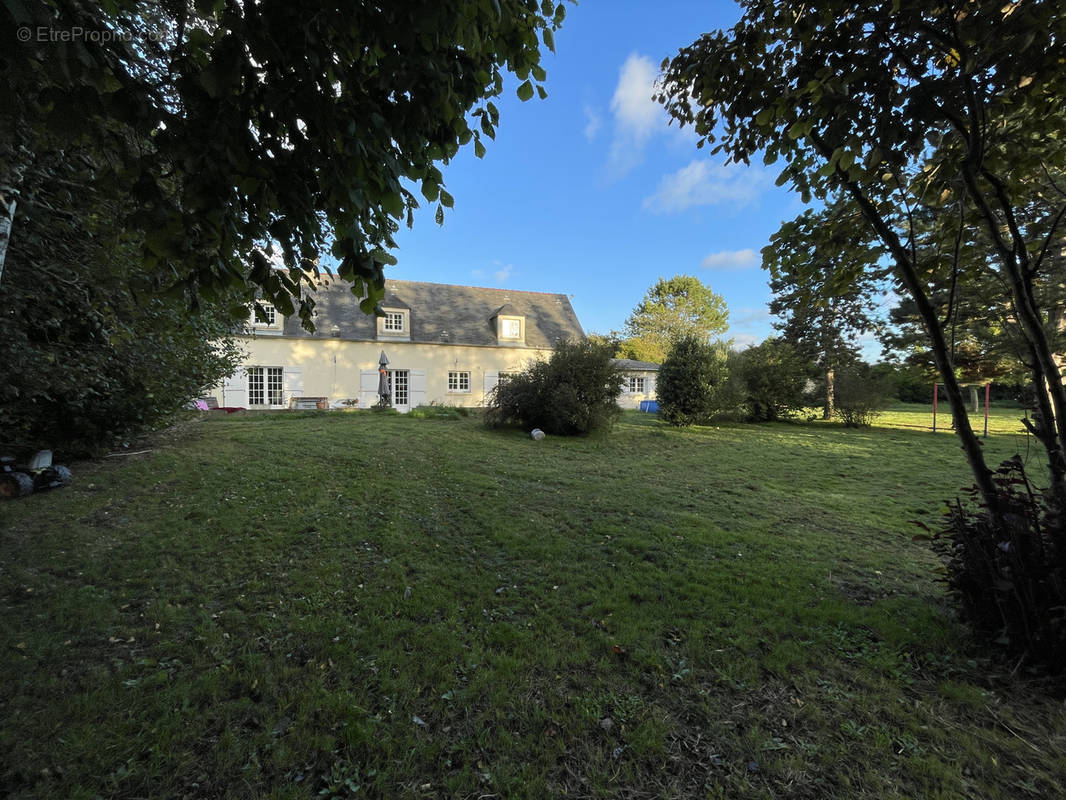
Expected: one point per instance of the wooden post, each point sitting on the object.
(988, 387)
(934, 407)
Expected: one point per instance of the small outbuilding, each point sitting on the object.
(639, 381)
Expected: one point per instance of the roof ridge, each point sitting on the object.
(484, 288)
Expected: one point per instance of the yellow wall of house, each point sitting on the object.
(332, 367)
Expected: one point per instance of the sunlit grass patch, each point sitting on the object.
(368, 605)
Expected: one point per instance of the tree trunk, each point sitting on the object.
(1045, 430)
(975, 398)
(830, 394)
(17, 161)
(1017, 268)
(971, 445)
(907, 273)
(8, 204)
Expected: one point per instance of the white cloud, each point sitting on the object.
(593, 122)
(500, 272)
(742, 341)
(703, 183)
(732, 259)
(636, 115)
(503, 274)
(632, 104)
(749, 325)
(746, 315)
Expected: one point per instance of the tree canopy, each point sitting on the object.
(92, 347)
(905, 105)
(255, 134)
(690, 381)
(968, 297)
(826, 282)
(773, 375)
(672, 309)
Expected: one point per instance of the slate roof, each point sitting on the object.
(635, 366)
(443, 313)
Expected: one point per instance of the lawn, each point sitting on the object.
(357, 605)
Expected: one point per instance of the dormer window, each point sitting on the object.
(266, 315)
(266, 319)
(395, 323)
(510, 326)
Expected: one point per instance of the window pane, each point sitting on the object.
(270, 315)
(255, 386)
(398, 386)
(274, 386)
(265, 386)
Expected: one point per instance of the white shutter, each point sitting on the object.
(417, 387)
(491, 379)
(235, 389)
(368, 387)
(292, 382)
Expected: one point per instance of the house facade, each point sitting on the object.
(445, 344)
(638, 382)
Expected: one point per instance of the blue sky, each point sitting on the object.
(591, 193)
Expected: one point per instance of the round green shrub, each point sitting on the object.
(689, 382)
(573, 392)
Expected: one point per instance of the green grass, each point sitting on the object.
(355, 604)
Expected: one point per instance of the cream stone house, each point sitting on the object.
(638, 382)
(444, 344)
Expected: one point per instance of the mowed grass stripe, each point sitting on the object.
(370, 605)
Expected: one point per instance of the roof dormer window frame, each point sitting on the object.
(395, 323)
(274, 323)
(511, 328)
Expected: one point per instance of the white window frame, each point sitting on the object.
(395, 324)
(400, 387)
(273, 322)
(459, 381)
(267, 385)
(511, 328)
(636, 384)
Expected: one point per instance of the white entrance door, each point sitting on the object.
(400, 389)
